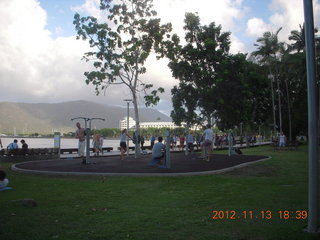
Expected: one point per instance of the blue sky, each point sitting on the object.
(42, 58)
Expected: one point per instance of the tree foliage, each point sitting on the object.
(212, 82)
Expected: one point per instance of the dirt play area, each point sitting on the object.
(181, 164)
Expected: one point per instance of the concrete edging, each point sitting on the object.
(59, 173)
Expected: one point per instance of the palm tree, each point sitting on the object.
(267, 53)
(299, 39)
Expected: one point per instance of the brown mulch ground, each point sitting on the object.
(112, 164)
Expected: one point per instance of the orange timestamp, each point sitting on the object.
(263, 214)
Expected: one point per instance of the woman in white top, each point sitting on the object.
(123, 143)
(208, 140)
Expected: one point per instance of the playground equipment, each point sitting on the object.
(88, 133)
(167, 160)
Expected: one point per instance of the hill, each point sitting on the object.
(49, 117)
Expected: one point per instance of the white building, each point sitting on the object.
(145, 125)
(169, 125)
(123, 123)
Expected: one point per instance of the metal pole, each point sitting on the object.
(168, 160)
(128, 127)
(312, 119)
(88, 132)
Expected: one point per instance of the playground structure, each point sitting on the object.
(87, 126)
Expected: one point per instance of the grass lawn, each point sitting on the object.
(103, 208)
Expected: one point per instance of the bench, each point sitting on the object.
(142, 148)
(30, 152)
(75, 150)
(31, 155)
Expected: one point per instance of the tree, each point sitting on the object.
(121, 46)
(214, 83)
(242, 92)
(267, 54)
(298, 38)
(196, 65)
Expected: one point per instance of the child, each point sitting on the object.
(3, 180)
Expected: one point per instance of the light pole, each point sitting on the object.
(313, 195)
(128, 102)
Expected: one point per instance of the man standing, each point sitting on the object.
(208, 142)
(24, 148)
(80, 135)
(282, 140)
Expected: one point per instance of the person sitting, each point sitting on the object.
(157, 152)
(13, 147)
(24, 148)
(3, 180)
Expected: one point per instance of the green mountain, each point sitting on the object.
(49, 117)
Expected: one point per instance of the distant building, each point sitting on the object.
(123, 123)
(170, 125)
(145, 125)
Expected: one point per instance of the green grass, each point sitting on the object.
(101, 208)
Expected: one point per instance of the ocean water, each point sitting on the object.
(65, 142)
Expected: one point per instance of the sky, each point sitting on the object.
(41, 58)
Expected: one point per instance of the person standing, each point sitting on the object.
(80, 135)
(96, 143)
(181, 139)
(101, 143)
(1, 143)
(189, 142)
(142, 142)
(123, 143)
(24, 148)
(282, 140)
(208, 141)
(153, 139)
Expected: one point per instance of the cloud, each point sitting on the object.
(256, 27)
(285, 14)
(36, 67)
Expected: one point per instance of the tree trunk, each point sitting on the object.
(136, 115)
(289, 110)
(273, 104)
(135, 103)
(279, 103)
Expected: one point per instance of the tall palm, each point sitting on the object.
(298, 38)
(287, 65)
(299, 44)
(267, 53)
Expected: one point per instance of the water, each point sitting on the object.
(65, 142)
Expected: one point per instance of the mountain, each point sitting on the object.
(48, 117)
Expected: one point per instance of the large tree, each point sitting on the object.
(121, 45)
(195, 64)
(212, 82)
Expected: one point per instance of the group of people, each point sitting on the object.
(97, 142)
(13, 147)
(158, 149)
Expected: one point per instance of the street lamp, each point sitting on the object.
(128, 102)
